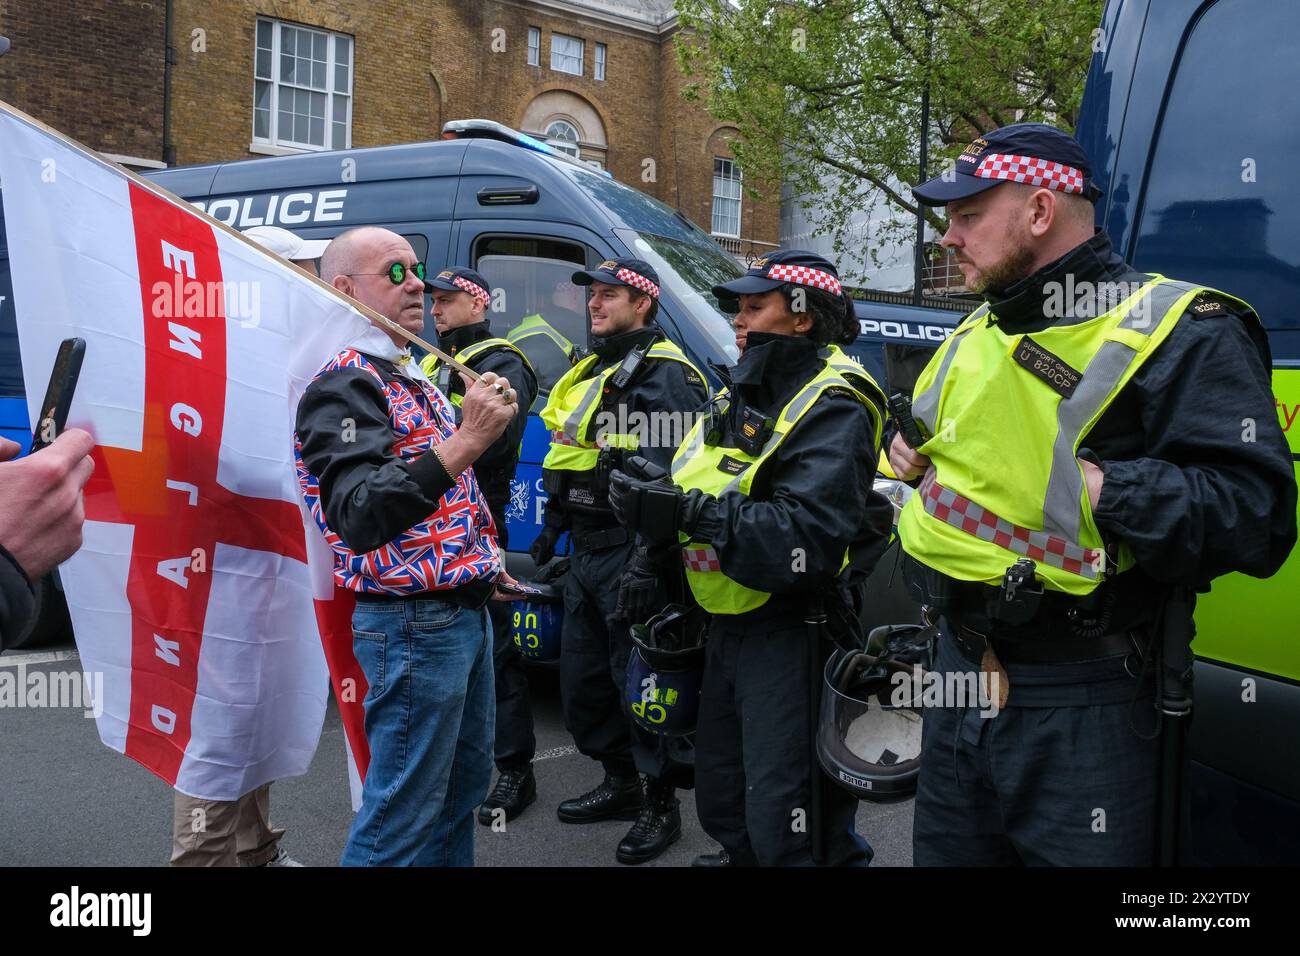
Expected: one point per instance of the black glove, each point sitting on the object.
(640, 591)
(657, 509)
(543, 548)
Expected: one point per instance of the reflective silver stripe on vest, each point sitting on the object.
(695, 440)
(965, 515)
(1061, 503)
(807, 395)
(701, 559)
(545, 331)
(925, 406)
(592, 396)
(851, 370)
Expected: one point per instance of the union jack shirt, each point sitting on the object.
(455, 545)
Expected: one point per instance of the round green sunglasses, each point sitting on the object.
(396, 272)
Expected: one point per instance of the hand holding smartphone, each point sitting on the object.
(53, 414)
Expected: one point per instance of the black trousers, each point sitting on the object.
(753, 757)
(594, 651)
(516, 742)
(1065, 781)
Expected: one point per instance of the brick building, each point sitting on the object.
(596, 78)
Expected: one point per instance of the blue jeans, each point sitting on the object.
(430, 711)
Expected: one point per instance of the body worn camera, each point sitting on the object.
(900, 409)
(1018, 599)
(754, 431)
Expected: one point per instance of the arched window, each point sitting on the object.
(563, 137)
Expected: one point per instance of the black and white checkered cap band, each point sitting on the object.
(1035, 172)
(803, 275)
(473, 288)
(637, 281)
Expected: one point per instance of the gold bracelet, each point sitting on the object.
(437, 454)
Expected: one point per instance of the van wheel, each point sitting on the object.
(52, 626)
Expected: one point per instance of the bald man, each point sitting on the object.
(386, 474)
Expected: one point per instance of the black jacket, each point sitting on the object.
(368, 494)
(1184, 487)
(496, 466)
(17, 600)
(659, 385)
(814, 497)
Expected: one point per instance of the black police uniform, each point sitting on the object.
(753, 761)
(813, 498)
(595, 645)
(1192, 501)
(494, 469)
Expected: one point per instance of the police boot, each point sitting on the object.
(617, 798)
(657, 827)
(514, 791)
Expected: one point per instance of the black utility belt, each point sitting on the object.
(1047, 649)
(599, 539)
(1022, 609)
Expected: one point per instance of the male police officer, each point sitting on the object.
(615, 399)
(769, 494)
(461, 299)
(1083, 452)
(537, 335)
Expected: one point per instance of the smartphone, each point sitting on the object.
(53, 415)
(522, 590)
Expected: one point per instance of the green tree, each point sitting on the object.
(826, 94)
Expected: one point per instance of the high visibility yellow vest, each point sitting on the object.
(861, 380)
(440, 374)
(721, 470)
(573, 403)
(1007, 415)
(535, 325)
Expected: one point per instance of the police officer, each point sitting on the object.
(550, 352)
(612, 400)
(1083, 451)
(770, 494)
(461, 299)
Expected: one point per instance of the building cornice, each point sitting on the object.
(609, 16)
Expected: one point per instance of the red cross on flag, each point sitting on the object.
(192, 593)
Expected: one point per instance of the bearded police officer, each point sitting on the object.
(621, 397)
(770, 494)
(1083, 454)
(461, 299)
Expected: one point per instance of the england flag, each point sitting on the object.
(193, 593)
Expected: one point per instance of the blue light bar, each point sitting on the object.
(487, 129)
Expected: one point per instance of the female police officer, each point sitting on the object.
(768, 494)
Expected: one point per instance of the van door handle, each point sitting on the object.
(508, 195)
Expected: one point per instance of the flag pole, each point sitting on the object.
(377, 319)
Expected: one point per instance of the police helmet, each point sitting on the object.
(869, 734)
(665, 671)
(537, 620)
